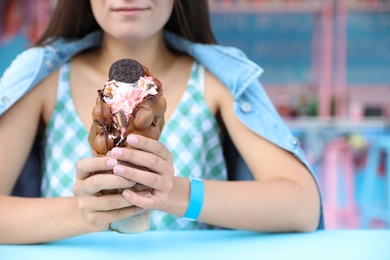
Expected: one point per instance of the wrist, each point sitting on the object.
(179, 197)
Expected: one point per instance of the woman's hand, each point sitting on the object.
(152, 155)
(99, 207)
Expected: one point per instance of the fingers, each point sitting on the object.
(101, 210)
(104, 203)
(149, 163)
(147, 178)
(153, 162)
(141, 200)
(100, 220)
(100, 182)
(86, 166)
(149, 145)
(107, 202)
(161, 185)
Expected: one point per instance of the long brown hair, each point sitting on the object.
(74, 19)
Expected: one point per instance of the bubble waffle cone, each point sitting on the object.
(131, 102)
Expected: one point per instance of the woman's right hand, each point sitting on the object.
(99, 208)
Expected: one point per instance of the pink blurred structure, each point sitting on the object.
(29, 17)
(372, 209)
(337, 179)
(329, 48)
(322, 47)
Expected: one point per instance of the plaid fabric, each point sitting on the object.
(192, 135)
(66, 141)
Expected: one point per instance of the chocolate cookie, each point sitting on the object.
(126, 70)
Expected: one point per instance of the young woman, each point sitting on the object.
(53, 87)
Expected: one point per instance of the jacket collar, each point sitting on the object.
(69, 47)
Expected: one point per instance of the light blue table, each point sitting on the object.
(216, 245)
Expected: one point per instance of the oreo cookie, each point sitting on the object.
(126, 70)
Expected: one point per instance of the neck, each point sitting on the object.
(152, 53)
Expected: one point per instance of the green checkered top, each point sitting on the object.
(192, 135)
(65, 142)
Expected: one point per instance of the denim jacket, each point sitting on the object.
(230, 65)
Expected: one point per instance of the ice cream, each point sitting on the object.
(131, 101)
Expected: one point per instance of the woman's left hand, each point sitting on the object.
(156, 158)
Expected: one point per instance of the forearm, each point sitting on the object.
(274, 205)
(37, 220)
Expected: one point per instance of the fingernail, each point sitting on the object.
(148, 195)
(112, 162)
(126, 194)
(132, 139)
(116, 152)
(118, 169)
(131, 183)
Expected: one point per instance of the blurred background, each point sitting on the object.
(327, 70)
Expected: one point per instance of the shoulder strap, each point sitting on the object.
(63, 80)
(197, 75)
